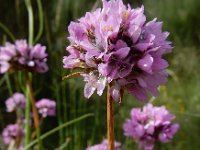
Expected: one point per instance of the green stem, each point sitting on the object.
(59, 112)
(8, 84)
(28, 104)
(45, 135)
(58, 13)
(27, 116)
(34, 109)
(64, 145)
(41, 20)
(2, 80)
(7, 31)
(30, 21)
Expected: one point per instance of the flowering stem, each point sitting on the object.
(30, 20)
(34, 109)
(110, 120)
(27, 116)
(7, 31)
(8, 84)
(41, 20)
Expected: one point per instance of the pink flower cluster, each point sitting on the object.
(18, 100)
(21, 56)
(46, 107)
(116, 44)
(11, 132)
(104, 146)
(149, 125)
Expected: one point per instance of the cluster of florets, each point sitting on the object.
(18, 100)
(46, 107)
(104, 146)
(21, 56)
(116, 45)
(150, 125)
(11, 132)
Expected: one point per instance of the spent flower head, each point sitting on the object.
(116, 44)
(21, 56)
(150, 125)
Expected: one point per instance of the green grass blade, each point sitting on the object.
(45, 135)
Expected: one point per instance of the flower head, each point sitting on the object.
(104, 146)
(116, 44)
(46, 107)
(18, 100)
(11, 132)
(149, 125)
(21, 56)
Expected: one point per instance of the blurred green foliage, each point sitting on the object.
(181, 94)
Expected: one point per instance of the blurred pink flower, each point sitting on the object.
(18, 100)
(46, 107)
(23, 56)
(11, 132)
(149, 125)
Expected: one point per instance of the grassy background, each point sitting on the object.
(181, 94)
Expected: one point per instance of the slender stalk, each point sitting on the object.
(45, 135)
(2, 80)
(34, 109)
(64, 145)
(58, 13)
(110, 120)
(59, 111)
(30, 20)
(27, 116)
(29, 83)
(41, 20)
(7, 31)
(8, 84)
